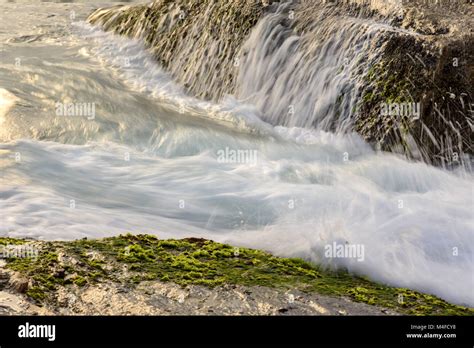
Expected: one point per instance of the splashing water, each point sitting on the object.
(149, 160)
(298, 81)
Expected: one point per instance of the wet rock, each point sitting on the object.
(19, 283)
(60, 273)
(4, 279)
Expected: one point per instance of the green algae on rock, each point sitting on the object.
(133, 259)
(433, 74)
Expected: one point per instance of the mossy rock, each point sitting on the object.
(203, 262)
(411, 70)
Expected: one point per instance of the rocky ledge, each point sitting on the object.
(424, 63)
(430, 64)
(143, 275)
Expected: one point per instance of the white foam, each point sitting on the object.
(7, 100)
(356, 201)
(138, 69)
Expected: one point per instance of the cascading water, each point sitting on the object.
(148, 161)
(301, 65)
(306, 80)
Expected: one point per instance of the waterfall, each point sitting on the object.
(196, 41)
(302, 66)
(321, 64)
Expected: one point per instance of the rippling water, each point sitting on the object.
(148, 161)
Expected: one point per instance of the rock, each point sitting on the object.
(18, 283)
(428, 69)
(60, 273)
(124, 292)
(4, 279)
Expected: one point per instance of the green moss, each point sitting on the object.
(47, 281)
(136, 253)
(387, 86)
(80, 281)
(173, 244)
(361, 294)
(11, 241)
(36, 293)
(368, 97)
(23, 265)
(207, 263)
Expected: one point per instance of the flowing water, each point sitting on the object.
(147, 158)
